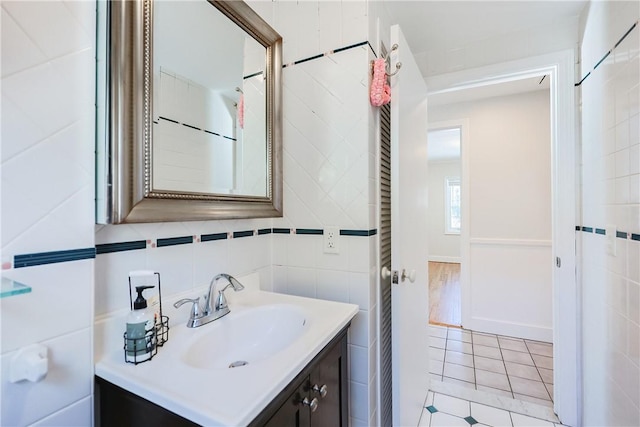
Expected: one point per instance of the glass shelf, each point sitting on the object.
(11, 287)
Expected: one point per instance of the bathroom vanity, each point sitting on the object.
(294, 372)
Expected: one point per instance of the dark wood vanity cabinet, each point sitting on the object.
(115, 406)
(292, 412)
(317, 397)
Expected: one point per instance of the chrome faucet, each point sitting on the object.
(210, 311)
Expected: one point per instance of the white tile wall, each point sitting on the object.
(48, 107)
(72, 416)
(181, 267)
(69, 380)
(609, 195)
(47, 203)
(327, 162)
(327, 170)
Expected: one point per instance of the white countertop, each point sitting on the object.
(226, 397)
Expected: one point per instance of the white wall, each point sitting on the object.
(509, 185)
(442, 247)
(48, 110)
(610, 196)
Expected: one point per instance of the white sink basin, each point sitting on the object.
(278, 335)
(245, 337)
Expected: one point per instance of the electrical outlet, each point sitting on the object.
(331, 240)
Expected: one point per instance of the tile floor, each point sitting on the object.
(442, 410)
(506, 366)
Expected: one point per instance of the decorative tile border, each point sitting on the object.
(257, 73)
(609, 52)
(193, 127)
(313, 231)
(331, 52)
(363, 233)
(30, 260)
(106, 248)
(602, 232)
(212, 237)
(172, 241)
(246, 233)
(281, 230)
(621, 234)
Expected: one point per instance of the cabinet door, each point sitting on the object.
(331, 375)
(115, 406)
(292, 413)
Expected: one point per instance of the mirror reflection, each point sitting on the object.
(209, 103)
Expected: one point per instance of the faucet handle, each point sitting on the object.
(221, 301)
(195, 308)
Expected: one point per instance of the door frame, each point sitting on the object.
(566, 297)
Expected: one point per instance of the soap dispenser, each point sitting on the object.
(140, 337)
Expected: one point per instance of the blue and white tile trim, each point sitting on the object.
(31, 260)
(601, 231)
(331, 52)
(609, 52)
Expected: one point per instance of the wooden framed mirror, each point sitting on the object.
(193, 116)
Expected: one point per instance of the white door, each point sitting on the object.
(566, 338)
(409, 298)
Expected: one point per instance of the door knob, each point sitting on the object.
(313, 404)
(385, 273)
(411, 275)
(322, 390)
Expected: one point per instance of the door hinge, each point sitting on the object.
(558, 262)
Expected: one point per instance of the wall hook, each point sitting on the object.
(388, 63)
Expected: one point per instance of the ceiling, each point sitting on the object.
(444, 144)
(513, 87)
(431, 26)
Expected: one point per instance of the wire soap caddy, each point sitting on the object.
(139, 348)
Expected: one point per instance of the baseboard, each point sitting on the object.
(448, 259)
(510, 329)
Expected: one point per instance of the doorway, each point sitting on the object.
(444, 224)
(507, 177)
(506, 192)
(559, 68)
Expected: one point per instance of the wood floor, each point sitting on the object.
(444, 294)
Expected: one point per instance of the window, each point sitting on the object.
(452, 205)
